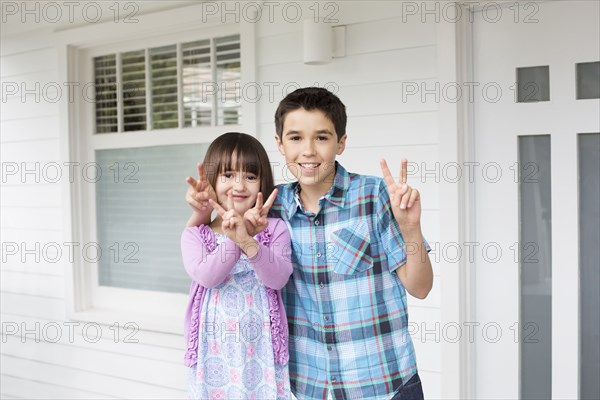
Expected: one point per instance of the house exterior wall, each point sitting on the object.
(383, 50)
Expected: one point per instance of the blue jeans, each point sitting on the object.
(411, 390)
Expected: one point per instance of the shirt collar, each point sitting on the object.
(336, 195)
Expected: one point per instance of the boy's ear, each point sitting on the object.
(279, 145)
(341, 145)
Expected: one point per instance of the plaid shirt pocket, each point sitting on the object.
(353, 249)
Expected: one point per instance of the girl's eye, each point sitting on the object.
(227, 175)
(251, 177)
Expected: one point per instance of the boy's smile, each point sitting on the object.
(310, 144)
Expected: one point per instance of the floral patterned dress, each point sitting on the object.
(235, 350)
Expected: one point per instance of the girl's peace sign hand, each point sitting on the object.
(256, 217)
(404, 200)
(232, 222)
(199, 192)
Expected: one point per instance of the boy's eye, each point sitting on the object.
(323, 137)
(294, 138)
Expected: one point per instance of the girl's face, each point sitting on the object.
(244, 187)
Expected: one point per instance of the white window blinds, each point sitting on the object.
(105, 81)
(182, 85)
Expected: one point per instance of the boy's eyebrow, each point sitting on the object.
(320, 132)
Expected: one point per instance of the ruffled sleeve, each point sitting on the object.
(279, 326)
(272, 262)
(206, 237)
(205, 262)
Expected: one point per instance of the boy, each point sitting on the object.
(346, 301)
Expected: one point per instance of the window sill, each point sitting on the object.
(142, 310)
(127, 320)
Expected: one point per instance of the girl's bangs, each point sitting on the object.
(245, 160)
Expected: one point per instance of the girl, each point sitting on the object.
(236, 328)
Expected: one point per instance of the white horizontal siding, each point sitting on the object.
(357, 82)
(44, 218)
(80, 379)
(30, 151)
(36, 306)
(30, 195)
(33, 283)
(27, 62)
(32, 128)
(115, 338)
(31, 389)
(33, 286)
(90, 358)
(350, 12)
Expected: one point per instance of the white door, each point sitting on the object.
(526, 273)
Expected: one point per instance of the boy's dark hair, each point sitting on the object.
(313, 98)
(250, 156)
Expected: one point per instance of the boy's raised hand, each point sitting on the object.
(404, 200)
(256, 217)
(199, 192)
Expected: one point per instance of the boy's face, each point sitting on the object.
(309, 144)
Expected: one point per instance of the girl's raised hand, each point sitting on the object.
(404, 200)
(199, 192)
(256, 217)
(233, 224)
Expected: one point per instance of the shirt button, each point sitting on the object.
(333, 379)
(319, 255)
(321, 285)
(326, 318)
(329, 348)
(317, 222)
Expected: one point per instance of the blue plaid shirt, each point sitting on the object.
(345, 305)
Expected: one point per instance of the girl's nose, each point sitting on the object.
(238, 184)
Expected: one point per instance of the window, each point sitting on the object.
(588, 154)
(535, 266)
(140, 213)
(533, 84)
(180, 85)
(159, 102)
(588, 80)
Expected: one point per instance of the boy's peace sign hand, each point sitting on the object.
(404, 200)
(233, 224)
(199, 191)
(256, 217)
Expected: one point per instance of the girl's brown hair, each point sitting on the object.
(250, 156)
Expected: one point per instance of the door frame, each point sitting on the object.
(566, 366)
(454, 60)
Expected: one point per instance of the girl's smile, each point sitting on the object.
(242, 186)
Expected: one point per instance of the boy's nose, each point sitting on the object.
(309, 149)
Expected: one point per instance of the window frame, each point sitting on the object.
(87, 300)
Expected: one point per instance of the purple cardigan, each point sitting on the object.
(209, 268)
